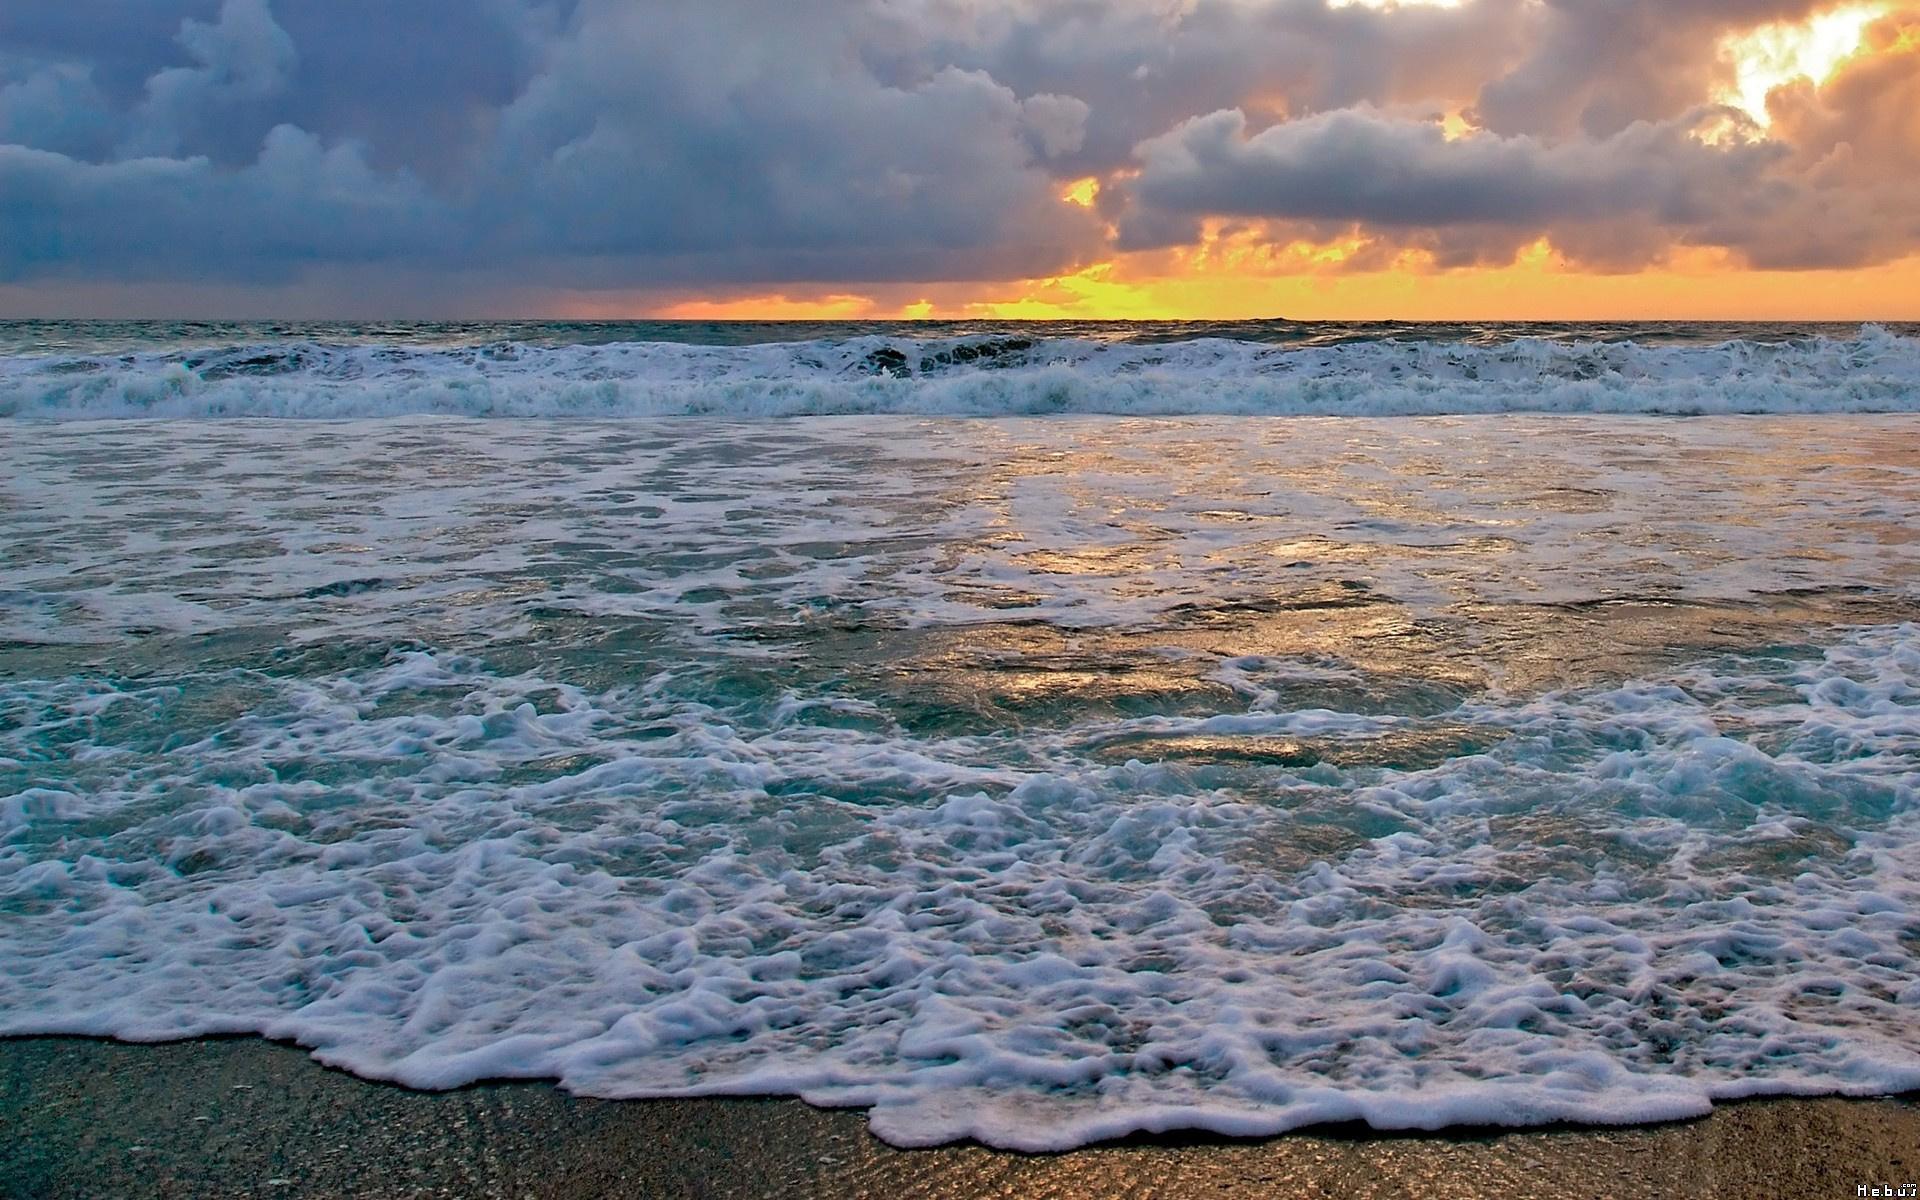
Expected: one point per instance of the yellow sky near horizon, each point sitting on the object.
(1538, 287)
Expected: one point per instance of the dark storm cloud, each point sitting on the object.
(609, 143)
(613, 141)
(1836, 183)
(1386, 170)
(1397, 173)
(660, 130)
(119, 44)
(1144, 68)
(415, 79)
(299, 204)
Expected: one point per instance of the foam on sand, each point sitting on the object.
(434, 874)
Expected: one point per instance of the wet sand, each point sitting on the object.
(244, 1117)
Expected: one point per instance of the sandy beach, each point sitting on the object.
(244, 1117)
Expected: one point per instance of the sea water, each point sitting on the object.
(1299, 723)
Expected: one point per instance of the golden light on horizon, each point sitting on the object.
(1772, 55)
(1698, 283)
(776, 306)
(1234, 280)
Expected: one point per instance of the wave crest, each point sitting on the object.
(1875, 371)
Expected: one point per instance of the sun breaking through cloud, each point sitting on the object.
(1788, 51)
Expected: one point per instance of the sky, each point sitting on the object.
(1509, 159)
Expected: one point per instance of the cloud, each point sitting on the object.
(1598, 66)
(1834, 183)
(300, 203)
(1399, 173)
(1144, 67)
(1058, 124)
(241, 59)
(608, 142)
(1612, 203)
(57, 107)
(636, 143)
(660, 132)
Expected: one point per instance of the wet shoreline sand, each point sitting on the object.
(246, 1117)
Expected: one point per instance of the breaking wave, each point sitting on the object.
(1008, 373)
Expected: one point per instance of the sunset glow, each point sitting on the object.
(1082, 192)
(1700, 285)
(1772, 55)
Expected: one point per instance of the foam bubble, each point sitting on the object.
(1635, 900)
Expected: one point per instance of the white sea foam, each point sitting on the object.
(1876, 371)
(1644, 898)
(388, 528)
(666, 758)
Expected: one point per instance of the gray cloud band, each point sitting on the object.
(612, 142)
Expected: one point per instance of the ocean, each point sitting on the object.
(1036, 733)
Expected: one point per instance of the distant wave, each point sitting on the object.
(1873, 371)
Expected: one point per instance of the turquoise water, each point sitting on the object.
(1037, 779)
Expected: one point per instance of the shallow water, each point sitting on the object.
(1036, 779)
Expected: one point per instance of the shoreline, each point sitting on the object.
(241, 1116)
